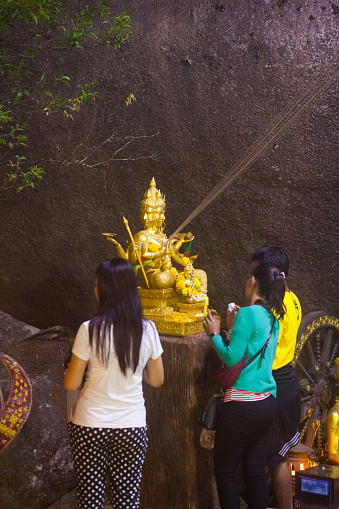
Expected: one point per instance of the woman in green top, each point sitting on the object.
(248, 409)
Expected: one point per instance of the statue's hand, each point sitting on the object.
(112, 239)
(120, 252)
(188, 240)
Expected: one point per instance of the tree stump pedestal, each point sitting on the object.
(178, 472)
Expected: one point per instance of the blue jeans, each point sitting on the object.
(242, 433)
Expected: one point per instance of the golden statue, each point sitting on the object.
(192, 284)
(156, 252)
(333, 427)
(176, 302)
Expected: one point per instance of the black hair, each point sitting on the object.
(272, 254)
(120, 307)
(271, 284)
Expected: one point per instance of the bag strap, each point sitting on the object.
(263, 349)
(295, 304)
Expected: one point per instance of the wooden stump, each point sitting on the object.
(178, 472)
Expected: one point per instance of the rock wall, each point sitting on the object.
(208, 77)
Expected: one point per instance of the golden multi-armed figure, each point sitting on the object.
(150, 248)
(166, 294)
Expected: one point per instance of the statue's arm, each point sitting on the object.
(178, 258)
(142, 243)
(150, 255)
(120, 252)
(175, 245)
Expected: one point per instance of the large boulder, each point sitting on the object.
(13, 331)
(36, 467)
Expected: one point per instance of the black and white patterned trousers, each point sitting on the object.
(119, 451)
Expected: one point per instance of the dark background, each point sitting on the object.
(209, 77)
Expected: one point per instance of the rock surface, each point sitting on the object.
(36, 467)
(13, 331)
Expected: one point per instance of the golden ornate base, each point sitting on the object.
(194, 311)
(172, 316)
(174, 328)
(159, 298)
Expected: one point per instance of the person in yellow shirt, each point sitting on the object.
(284, 432)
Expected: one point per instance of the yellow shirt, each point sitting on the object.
(289, 326)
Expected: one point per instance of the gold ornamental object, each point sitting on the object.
(333, 433)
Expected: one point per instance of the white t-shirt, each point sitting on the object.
(110, 399)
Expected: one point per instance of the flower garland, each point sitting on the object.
(186, 286)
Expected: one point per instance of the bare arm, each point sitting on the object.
(74, 373)
(154, 372)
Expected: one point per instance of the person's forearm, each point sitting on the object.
(230, 355)
(220, 348)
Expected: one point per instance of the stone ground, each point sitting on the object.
(68, 501)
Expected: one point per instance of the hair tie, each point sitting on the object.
(282, 274)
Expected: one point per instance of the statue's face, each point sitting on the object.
(189, 271)
(153, 217)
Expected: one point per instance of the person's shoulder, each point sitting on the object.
(247, 315)
(293, 296)
(252, 311)
(290, 299)
(150, 340)
(147, 323)
(256, 314)
(82, 336)
(84, 326)
(149, 327)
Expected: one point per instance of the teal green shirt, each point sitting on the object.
(251, 328)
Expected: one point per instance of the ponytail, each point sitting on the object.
(271, 286)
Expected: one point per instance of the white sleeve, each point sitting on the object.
(81, 347)
(154, 341)
(157, 347)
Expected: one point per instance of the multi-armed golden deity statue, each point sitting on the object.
(175, 301)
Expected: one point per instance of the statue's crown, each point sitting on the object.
(153, 198)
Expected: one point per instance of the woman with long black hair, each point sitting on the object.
(248, 407)
(108, 430)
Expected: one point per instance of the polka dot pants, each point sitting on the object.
(121, 452)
